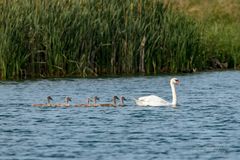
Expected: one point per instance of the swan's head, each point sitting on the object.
(174, 81)
(115, 97)
(49, 98)
(96, 98)
(68, 99)
(123, 98)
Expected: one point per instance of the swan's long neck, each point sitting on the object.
(174, 95)
(114, 101)
(122, 101)
(88, 100)
(48, 101)
(66, 101)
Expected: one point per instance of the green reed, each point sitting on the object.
(43, 38)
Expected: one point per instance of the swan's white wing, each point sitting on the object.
(151, 100)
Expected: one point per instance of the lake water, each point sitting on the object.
(205, 124)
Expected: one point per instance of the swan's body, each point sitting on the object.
(48, 104)
(153, 100)
(113, 104)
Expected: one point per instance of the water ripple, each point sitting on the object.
(204, 126)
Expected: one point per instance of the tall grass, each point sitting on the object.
(220, 22)
(43, 38)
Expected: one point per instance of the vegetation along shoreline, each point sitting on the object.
(82, 38)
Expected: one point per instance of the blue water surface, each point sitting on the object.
(205, 124)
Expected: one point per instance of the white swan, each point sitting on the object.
(153, 100)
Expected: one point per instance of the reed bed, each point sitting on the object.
(43, 38)
(220, 22)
